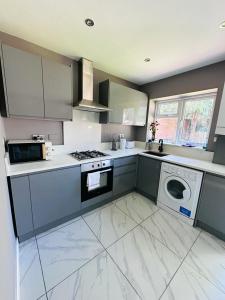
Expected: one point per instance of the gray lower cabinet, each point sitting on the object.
(55, 195)
(124, 179)
(148, 176)
(20, 192)
(22, 74)
(211, 208)
(58, 94)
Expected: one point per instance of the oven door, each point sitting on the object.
(105, 183)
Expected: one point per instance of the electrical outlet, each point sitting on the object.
(38, 137)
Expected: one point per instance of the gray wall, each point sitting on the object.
(110, 130)
(8, 245)
(212, 76)
(24, 128)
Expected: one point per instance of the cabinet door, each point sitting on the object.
(129, 106)
(57, 80)
(23, 80)
(21, 204)
(148, 176)
(55, 195)
(211, 209)
(124, 183)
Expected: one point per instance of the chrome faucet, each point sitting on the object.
(160, 145)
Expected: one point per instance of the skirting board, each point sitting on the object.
(17, 270)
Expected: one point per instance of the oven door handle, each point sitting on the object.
(107, 170)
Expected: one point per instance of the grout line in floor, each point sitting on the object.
(113, 259)
(41, 267)
(54, 229)
(72, 273)
(202, 275)
(133, 218)
(182, 261)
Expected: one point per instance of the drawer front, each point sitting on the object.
(125, 161)
(124, 169)
(124, 183)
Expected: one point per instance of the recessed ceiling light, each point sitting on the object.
(222, 25)
(147, 59)
(89, 22)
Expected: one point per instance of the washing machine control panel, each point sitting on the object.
(179, 171)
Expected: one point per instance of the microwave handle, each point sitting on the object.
(43, 151)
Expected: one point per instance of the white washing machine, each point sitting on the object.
(179, 189)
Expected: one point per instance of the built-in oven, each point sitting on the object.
(96, 179)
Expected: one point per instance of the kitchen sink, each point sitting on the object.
(161, 154)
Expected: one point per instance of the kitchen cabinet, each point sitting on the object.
(20, 197)
(124, 179)
(128, 106)
(58, 97)
(148, 176)
(220, 127)
(34, 86)
(55, 194)
(211, 207)
(22, 75)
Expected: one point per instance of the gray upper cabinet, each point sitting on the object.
(58, 96)
(20, 192)
(55, 195)
(35, 86)
(148, 176)
(128, 106)
(211, 207)
(22, 74)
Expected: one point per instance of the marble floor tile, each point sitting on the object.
(207, 257)
(31, 279)
(109, 224)
(172, 232)
(58, 227)
(189, 285)
(146, 262)
(99, 279)
(42, 298)
(65, 250)
(136, 206)
(98, 208)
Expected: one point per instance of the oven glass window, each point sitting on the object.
(176, 189)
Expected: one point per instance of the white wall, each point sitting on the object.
(8, 244)
(84, 132)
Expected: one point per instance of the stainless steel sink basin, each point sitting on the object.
(161, 154)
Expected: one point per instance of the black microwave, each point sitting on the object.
(28, 151)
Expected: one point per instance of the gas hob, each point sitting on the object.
(82, 155)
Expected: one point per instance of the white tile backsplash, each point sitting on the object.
(84, 132)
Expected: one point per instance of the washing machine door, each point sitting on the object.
(177, 189)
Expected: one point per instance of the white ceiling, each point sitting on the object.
(178, 35)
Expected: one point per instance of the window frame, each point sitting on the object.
(182, 99)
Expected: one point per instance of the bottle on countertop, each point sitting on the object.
(122, 141)
(114, 144)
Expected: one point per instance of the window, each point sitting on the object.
(185, 120)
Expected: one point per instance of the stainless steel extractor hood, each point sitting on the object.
(85, 88)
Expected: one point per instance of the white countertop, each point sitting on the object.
(197, 164)
(65, 160)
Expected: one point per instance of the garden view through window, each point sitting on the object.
(185, 120)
